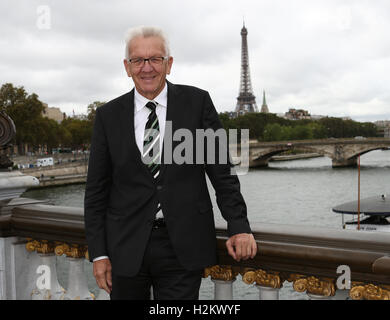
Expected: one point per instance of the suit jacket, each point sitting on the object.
(121, 195)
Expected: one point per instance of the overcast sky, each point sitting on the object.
(328, 57)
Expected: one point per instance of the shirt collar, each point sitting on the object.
(140, 101)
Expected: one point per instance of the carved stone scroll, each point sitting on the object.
(361, 291)
(322, 287)
(225, 273)
(263, 278)
(72, 251)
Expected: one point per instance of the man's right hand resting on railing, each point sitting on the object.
(102, 274)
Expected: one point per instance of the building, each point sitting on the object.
(297, 114)
(317, 116)
(386, 132)
(53, 113)
(383, 127)
(382, 123)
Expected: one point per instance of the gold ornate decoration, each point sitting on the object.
(72, 251)
(263, 278)
(40, 246)
(323, 287)
(91, 295)
(360, 291)
(225, 273)
(294, 277)
(249, 277)
(46, 294)
(59, 248)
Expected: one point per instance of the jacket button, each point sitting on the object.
(159, 188)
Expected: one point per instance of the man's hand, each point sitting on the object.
(242, 246)
(102, 274)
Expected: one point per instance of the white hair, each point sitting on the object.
(145, 32)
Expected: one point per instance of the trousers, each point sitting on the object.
(160, 270)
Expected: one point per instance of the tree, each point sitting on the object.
(301, 132)
(92, 110)
(79, 132)
(25, 110)
(273, 132)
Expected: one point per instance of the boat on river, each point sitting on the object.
(374, 214)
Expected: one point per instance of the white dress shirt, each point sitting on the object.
(141, 114)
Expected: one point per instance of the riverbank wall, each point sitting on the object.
(59, 174)
(76, 172)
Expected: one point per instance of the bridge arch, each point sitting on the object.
(261, 159)
(342, 152)
(366, 150)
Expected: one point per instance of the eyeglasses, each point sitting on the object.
(155, 61)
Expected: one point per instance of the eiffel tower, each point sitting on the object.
(246, 101)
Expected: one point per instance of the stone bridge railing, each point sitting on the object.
(323, 263)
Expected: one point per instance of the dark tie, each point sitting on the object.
(151, 149)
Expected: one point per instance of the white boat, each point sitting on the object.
(374, 214)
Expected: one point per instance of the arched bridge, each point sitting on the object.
(343, 152)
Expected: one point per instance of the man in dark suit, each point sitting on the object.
(150, 222)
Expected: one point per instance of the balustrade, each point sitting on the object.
(34, 235)
(77, 288)
(49, 288)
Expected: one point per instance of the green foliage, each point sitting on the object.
(255, 122)
(269, 127)
(92, 110)
(78, 132)
(25, 110)
(338, 128)
(275, 132)
(36, 131)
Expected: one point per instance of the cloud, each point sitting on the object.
(328, 57)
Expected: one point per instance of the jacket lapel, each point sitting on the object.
(172, 112)
(128, 131)
(127, 120)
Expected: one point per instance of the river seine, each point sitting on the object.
(297, 192)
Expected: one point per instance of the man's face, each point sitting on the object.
(149, 79)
